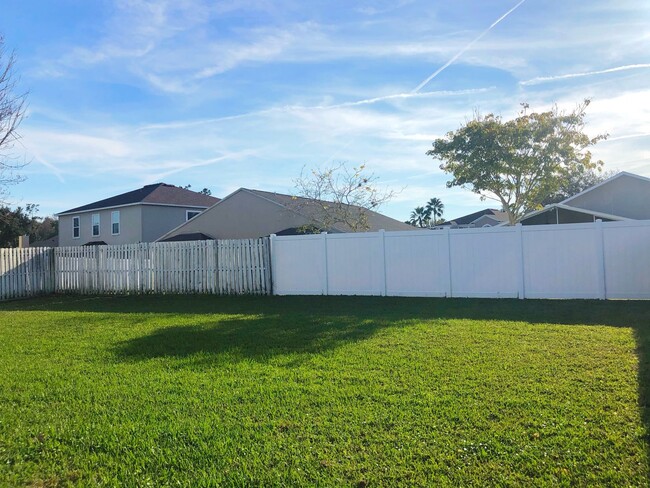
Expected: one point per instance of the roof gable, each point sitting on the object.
(468, 219)
(285, 203)
(308, 208)
(608, 181)
(156, 194)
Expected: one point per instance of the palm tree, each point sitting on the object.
(419, 217)
(435, 208)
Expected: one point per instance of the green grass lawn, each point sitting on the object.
(272, 391)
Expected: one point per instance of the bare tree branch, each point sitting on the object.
(339, 196)
(12, 112)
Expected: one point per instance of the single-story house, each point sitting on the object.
(141, 215)
(624, 196)
(51, 242)
(248, 214)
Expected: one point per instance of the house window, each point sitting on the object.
(190, 214)
(75, 227)
(95, 225)
(115, 222)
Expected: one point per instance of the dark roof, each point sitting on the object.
(306, 207)
(51, 242)
(159, 193)
(468, 219)
(190, 236)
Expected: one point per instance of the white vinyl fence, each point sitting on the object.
(26, 272)
(217, 267)
(594, 260)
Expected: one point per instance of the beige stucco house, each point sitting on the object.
(624, 196)
(141, 215)
(247, 214)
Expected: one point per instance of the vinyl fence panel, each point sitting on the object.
(627, 259)
(299, 265)
(562, 261)
(355, 264)
(484, 262)
(417, 264)
(593, 260)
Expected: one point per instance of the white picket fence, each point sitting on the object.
(594, 260)
(26, 272)
(215, 267)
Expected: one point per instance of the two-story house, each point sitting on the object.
(141, 215)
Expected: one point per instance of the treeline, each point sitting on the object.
(23, 221)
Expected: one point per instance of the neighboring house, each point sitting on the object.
(624, 196)
(488, 217)
(51, 242)
(247, 214)
(141, 215)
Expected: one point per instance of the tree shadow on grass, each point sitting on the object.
(297, 326)
(258, 337)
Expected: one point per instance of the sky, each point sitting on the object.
(229, 94)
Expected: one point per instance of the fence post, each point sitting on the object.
(325, 284)
(600, 251)
(521, 278)
(383, 288)
(271, 263)
(449, 276)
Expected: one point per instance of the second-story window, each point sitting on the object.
(95, 225)
(75, 227)
(115, 222)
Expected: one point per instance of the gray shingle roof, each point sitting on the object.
(159, 193)
(468, 219)
(376, 221)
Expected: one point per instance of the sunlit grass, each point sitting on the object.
(205, 391)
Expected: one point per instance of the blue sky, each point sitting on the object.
(228, 94)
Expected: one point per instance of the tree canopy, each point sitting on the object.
(576, 183)
(22, 221)
(521, 162)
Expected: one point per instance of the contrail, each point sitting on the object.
(369, 101)
(462, 51)
(547, 79)
(296, 108)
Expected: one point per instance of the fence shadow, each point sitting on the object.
(621, 313)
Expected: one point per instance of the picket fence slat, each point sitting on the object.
(214, 267)
(24, 272)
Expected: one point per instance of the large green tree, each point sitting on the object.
(521, 162)
(22, 221)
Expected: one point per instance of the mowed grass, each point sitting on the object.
(298, 391)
